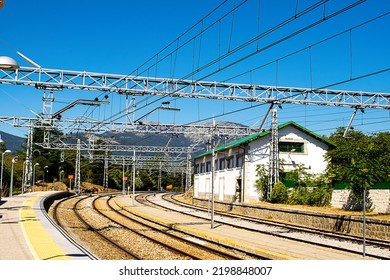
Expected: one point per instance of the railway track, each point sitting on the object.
(374, 248)
(67, 214)
(195, 249)
(111, 233)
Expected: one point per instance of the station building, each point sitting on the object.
(236, 161)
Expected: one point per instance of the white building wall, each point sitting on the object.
(313, 157)
(258, 153)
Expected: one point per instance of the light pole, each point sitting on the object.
(24, 164)
(35, 165)
(15, 159)
(2, 167)
(45, 174)
(364, 222)
(61, 172)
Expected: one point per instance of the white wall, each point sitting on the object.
(258, 153)
(380, 199)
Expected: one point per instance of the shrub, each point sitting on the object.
(279, 193)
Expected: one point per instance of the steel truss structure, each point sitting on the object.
(117, 148)
(273, 176)
(144, 158)
(53, 79)
(180, 165)
(90, 125)
(147, 162)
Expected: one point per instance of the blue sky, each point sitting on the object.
(119, 36)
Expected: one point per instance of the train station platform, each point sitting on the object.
(27, 232)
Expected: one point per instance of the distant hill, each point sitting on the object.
(149, 139)
(13, 142)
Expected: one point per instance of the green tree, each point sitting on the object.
(262, 180)
(359, 160)
(146, 181)
(115, 177)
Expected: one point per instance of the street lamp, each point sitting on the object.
(61, 172)
(7, 63)
(2, 167)
(45, 174)
(35, 165)
(15, 159)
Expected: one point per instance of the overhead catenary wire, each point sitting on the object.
(324, 40)
(171, 56)
(296, 15)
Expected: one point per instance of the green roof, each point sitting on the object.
(253, 137)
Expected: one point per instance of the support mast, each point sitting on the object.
(274, 154)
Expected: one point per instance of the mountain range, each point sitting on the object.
(12, 142)
(127, 138)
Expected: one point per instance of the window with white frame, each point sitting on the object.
(291, 147)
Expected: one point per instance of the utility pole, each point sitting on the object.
(133, 196)
(274, 154)
(77, 171)
(123, 177)
(105, 179)
(47, 112)
(212, 173)
(188, 172)
(159, 176)
(27, 174)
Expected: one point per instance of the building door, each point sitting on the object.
(238, 190)
(207, 188)
(221, 188)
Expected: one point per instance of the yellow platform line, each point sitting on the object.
(44, 247)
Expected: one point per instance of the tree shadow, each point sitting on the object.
(355, 202)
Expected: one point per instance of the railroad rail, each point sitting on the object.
(371, 241)
(375, 248)
(162, 234)
(97, 221)
(72, 220)
(56, 221)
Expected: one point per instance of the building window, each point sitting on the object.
(221, 163)
(208, 166)
(291, 147)
(239, 160)
(196, 171)
(202, 167)
(229, 162)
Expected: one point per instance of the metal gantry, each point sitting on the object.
(53, 79)
(146, 158)
(91, 125)
(117, 148)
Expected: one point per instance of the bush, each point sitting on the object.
(317, 196)
(262, 181)
(279, 193)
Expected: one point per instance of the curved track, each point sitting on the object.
(67, 215)
(162, 235)
(113, 233)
